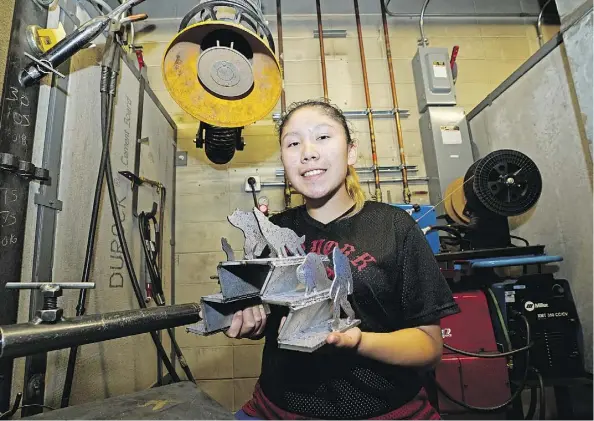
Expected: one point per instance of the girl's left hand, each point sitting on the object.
(349, 339)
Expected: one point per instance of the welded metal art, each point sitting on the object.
(290, 278)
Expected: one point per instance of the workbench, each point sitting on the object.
(177, 401)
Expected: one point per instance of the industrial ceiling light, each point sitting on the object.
(222, 69)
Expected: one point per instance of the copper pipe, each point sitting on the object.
(405, 189)
(378, 191)
(322, 54)
(281, 59)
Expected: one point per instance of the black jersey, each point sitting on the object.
(397, 284)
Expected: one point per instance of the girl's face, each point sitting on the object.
(315, 153)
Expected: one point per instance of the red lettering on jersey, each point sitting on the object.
(329, 246)
(316, 246)
(361, 262)
(347, 249)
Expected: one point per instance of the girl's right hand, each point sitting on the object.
(248, 323)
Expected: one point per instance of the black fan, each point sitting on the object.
(505, 183)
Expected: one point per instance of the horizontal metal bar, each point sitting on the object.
(365, 170)
(29, 338)
(513, 78)
(331, 33)
(387, 180)
(404, 113)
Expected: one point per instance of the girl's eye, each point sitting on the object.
(293, 143)
(323, 137)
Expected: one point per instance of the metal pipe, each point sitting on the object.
(378, 191)
(279, 23)
(405, 189)
(386, 180)
(520, 15)
(366, 170)
(322, 53)
(363, 113)
(422, 23)
(539, 23)
(24, 339)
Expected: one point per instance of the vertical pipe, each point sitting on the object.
(378, 191)
(322, 53)
(279, 24)
(539, 24)
(405, 189)
(422, 23)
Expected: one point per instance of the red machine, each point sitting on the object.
(482, 382)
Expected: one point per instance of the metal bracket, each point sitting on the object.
(181, 159)
(25, 169)
(42, 200)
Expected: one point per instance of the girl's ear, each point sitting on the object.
(352, 154)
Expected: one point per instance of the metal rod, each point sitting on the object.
(24, 339)
(405, 189)
(366, 170)
(539, 23)
(411, 180)
(322, 53)
(363, 113)
(279, 23)
(422, 23)
(520, 15)
(378, 191)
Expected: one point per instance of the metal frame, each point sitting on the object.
(15, 100)
(45, 232)
(521, 71)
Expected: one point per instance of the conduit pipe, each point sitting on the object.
(539, 24)
(281, 58)
(422, 23)
(405, 189)
(520, 15)
(378, 191)
(322, 54)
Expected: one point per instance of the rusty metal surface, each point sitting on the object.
(180, 74)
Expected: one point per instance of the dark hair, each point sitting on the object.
(352, 179)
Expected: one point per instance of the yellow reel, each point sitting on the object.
(222, 74)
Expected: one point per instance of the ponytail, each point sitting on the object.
(354, 189)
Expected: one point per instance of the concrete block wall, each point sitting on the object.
(206, 193)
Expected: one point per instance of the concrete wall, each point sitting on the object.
(206, 193)
(537, 116)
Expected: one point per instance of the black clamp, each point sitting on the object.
(50, 291)
(27, 170)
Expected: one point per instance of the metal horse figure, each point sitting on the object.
(341, 288)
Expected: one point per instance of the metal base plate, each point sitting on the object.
(314, 338)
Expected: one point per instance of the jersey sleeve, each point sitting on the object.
(426, 296)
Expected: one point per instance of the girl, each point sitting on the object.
(374, 370)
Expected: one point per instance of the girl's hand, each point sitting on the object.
(349, 339)
(248, 323)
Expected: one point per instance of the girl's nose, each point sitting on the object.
(309, 152)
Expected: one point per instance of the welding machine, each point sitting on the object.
(481, 382)
(555, 329)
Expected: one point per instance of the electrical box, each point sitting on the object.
(446, 148)
(433, 77)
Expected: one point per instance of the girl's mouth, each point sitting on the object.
(313, 173)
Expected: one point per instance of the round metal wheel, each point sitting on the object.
(225, 72)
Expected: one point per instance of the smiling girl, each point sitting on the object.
(374, 370)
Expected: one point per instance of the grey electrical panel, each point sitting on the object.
(433, 77)
(446, 148)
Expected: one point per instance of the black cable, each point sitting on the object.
(521, 239)
(514, 396)
(109, 79)
(490, 355)
(82, 296)
(542, 401)
(532, 407)
(157, 281)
